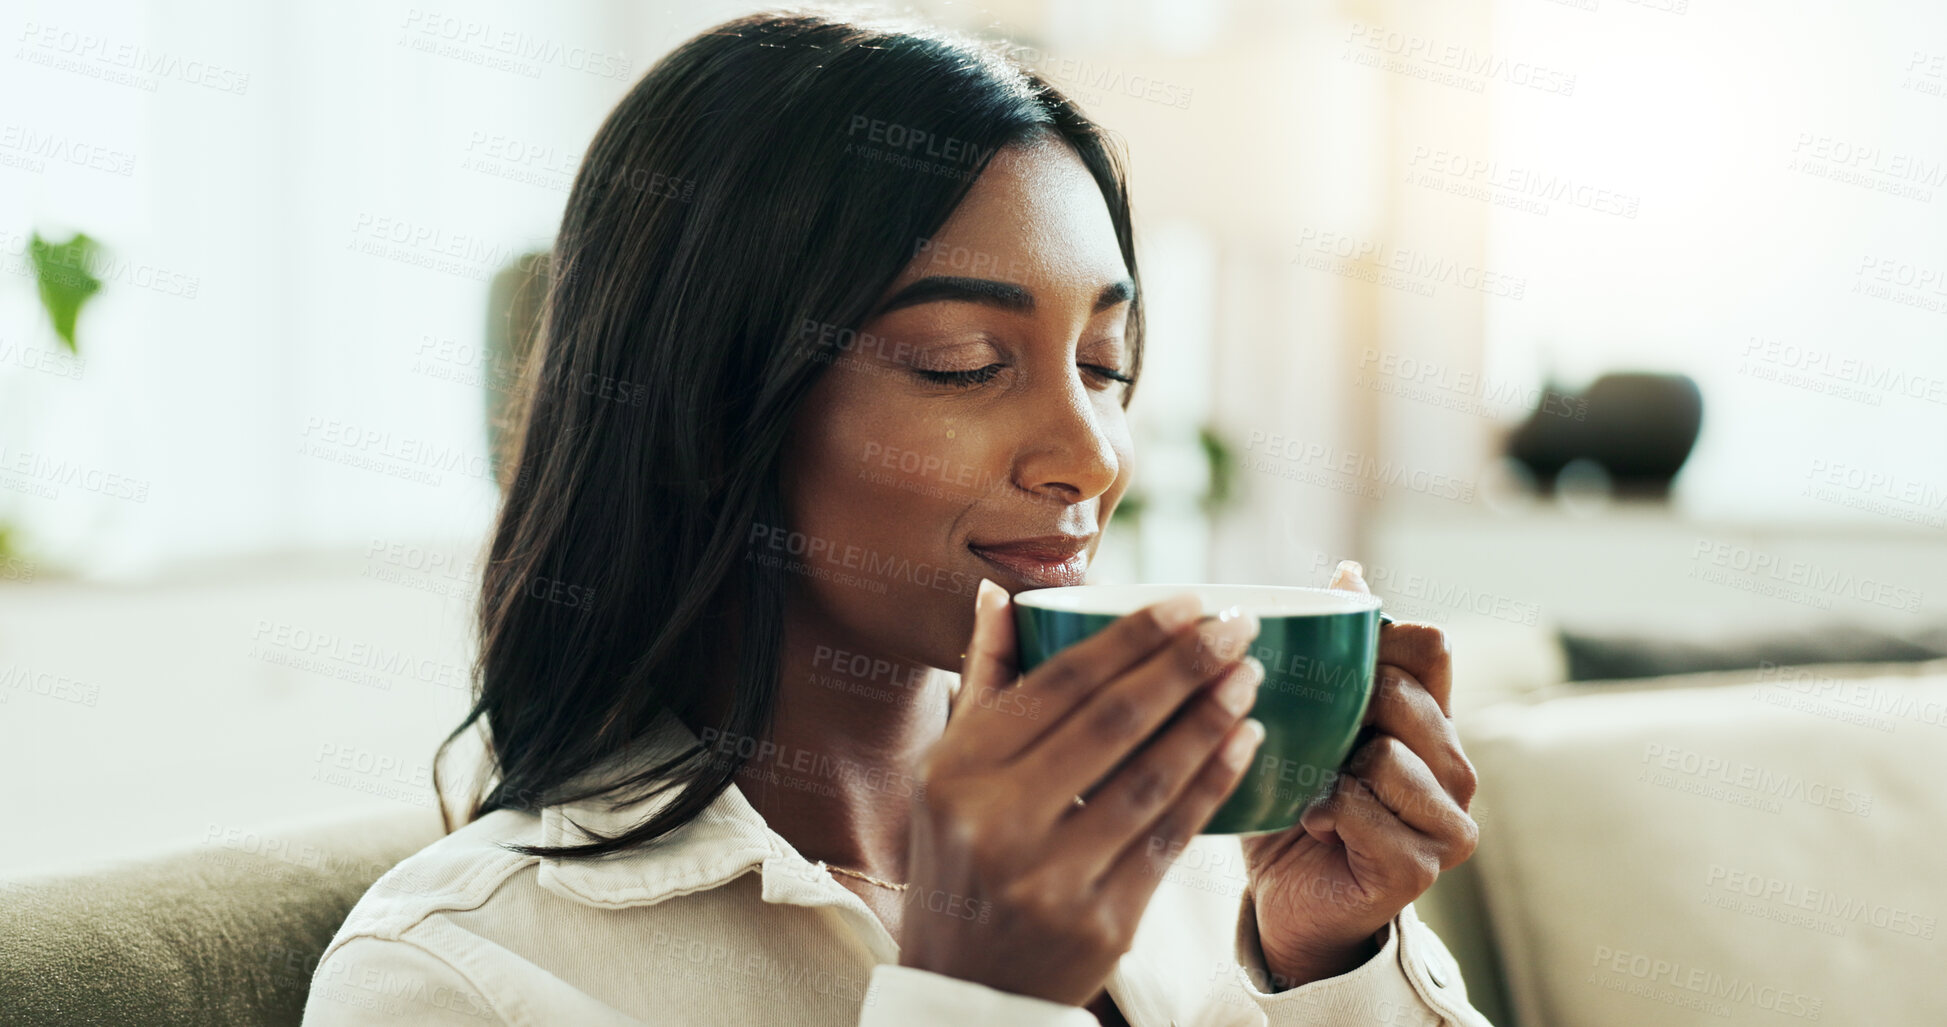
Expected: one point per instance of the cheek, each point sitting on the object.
(916, 455)
(943, 461)
(880, 488)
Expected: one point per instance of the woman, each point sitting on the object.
(843, 324)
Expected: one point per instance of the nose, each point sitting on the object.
(1066, 452)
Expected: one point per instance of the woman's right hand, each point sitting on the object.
(1145, 719)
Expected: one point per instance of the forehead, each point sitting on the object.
(1035, 217)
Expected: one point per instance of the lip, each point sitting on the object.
(1045, 561)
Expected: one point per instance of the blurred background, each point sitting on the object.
(1620, 324)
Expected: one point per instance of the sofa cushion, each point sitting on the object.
(226, 932)
(1739, 847)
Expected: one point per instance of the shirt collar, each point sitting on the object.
(717, 846)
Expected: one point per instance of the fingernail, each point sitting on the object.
(1241, 616)
(1176, 611)
(1228, 633)
(1357, 569)
(1238, 691)
(1240, 748)
(989, 596)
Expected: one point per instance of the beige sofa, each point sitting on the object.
(1758, 846)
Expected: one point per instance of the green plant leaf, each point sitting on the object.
(1223, 468)
(66, 283)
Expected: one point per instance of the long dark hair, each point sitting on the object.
(772, 175)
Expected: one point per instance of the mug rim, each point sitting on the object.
(1072, 598)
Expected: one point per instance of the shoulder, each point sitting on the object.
(461, 871)
(371, 980)
(384, 966)
(425, 942)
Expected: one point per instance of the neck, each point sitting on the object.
(835, 776)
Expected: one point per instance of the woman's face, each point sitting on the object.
(973, 427)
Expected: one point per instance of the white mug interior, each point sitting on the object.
(1263, 600)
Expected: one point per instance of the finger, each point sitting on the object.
(1392, 860)
(1350, 576)
(1391, 863)
(1069, 677)
(988, 664)
(1403, 708)
(1152, 779)
(1140, 867)
(1421, 650)
(1102, 731)
(1390, 783)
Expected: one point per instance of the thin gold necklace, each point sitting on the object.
(894, 885)
(863, 877)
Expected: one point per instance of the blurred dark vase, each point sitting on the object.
(1640, 427)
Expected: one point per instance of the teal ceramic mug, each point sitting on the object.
(1319, 647)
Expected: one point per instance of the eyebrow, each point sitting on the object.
(1005, 295)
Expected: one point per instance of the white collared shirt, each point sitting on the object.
(464, 932)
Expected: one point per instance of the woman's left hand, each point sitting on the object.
(1321, 890)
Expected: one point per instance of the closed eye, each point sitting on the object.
(962, 379)
(982, 375)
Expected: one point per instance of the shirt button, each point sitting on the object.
(1433, 971)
